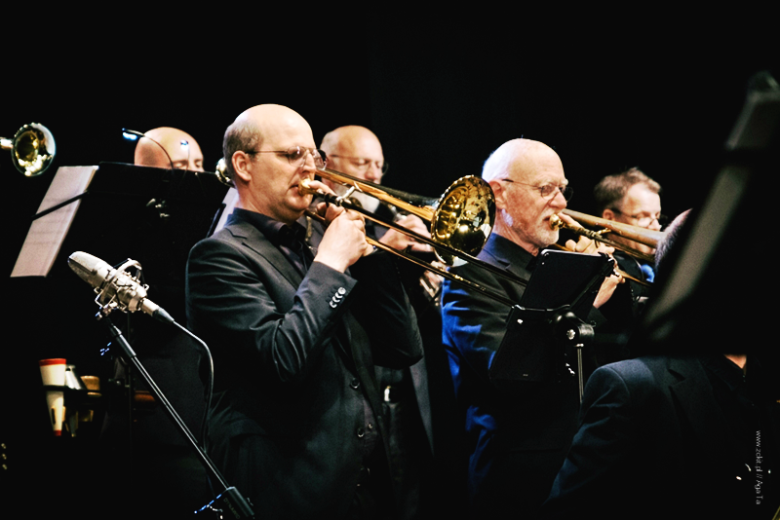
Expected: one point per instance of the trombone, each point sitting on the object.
(461, 222)
(32, 149)
(644, 236)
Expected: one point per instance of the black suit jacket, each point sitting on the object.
(655, 443)
(294, 366)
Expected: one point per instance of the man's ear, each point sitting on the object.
(240, 165)
(499, 193)
(608, 214)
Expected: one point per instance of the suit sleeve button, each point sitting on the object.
(360, 433)
(355, 383)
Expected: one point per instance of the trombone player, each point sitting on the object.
(633, 198)
(357, 151)
(516, 446)
(296, 423)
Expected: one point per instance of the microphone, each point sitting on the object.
(115, 288)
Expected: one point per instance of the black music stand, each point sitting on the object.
(551, 316)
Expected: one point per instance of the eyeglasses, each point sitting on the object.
(548, 191)
(362, 164)
(643, 219)
(296, 153)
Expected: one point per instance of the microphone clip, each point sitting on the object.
(121, 290)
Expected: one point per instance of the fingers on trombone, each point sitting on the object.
(321, 186)
(568, 220)
(329, 211)
(586, 245)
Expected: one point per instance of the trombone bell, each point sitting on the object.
(464, 217)
(461, 219)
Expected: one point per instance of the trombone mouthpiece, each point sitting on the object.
(304, 187)
(556, 222)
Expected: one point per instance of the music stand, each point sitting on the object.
(552, 314)
(154, 215)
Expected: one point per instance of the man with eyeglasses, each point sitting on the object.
(518, 438)
(168, 147)
(296, 422)
(632, 198)
(357, 151)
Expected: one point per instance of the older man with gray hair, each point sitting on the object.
(519, 440)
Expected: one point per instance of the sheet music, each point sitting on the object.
(46, 235)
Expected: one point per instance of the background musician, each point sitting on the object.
(412, 396)
(182, 150)
(632, 198)
(356, 151)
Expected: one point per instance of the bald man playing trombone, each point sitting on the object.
(296, 423)
(517, 442)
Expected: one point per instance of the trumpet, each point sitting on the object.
(32, 149)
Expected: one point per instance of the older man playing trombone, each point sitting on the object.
(517, 442)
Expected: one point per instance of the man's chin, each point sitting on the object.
(548, 237)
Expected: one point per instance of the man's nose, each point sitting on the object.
(374, 173)
(308, 163)
(654, 225)
(558, 201)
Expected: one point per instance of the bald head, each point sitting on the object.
(355, 150)
(268, 182)
(348, 139)
(183, 149)
(520, 157)
(260, 126)
(517, 171)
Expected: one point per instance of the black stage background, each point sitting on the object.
(439, 105)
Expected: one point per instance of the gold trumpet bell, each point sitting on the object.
(32, 149)
(464, 218)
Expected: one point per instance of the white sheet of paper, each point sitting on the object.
(46, 235)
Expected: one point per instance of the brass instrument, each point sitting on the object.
(32, 149)
(644, 236)
(221, 173)
(461, 222)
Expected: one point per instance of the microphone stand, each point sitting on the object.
(229, 496)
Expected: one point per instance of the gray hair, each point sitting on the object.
(497, 165)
